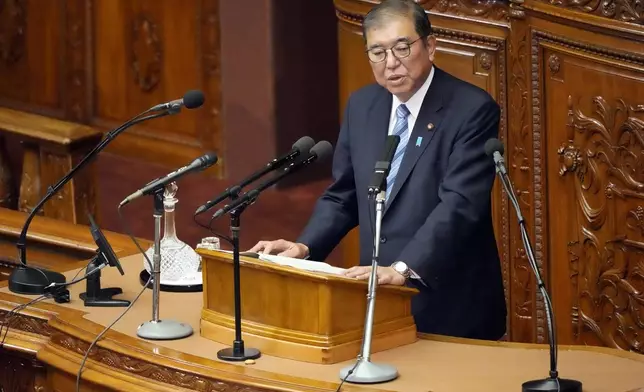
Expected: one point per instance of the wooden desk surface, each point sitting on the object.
(125, 362)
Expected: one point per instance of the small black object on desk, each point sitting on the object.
(95, 295)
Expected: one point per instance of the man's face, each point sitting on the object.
(401, 76)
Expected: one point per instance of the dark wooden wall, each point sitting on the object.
(569, 76)
(268, 71)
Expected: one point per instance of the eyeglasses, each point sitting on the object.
(400, 50)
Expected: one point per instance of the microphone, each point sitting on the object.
(26, 279)
(381, 171)
(191, 100)
(494, 148)
(320, 151)
(304, 144)
(201, 163)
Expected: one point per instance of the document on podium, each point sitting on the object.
(307, 265)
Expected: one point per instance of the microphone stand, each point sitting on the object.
(553, 383)
(365, 371)
(237, 352)
(27, 279)
(157, 329)
(237, 206)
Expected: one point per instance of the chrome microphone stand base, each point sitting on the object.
(364, 371)
(367, 372)
(163, 330)
(157, 329)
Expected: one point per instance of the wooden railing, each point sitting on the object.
(50, 148)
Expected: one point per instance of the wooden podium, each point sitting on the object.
(292, 313)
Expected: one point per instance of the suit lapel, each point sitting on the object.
(430, 116)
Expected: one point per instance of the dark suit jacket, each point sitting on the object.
(438, 216)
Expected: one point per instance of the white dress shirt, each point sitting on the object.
(413, 104)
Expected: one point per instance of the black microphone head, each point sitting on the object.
(322, 150)
(493, 145)
(304, 144)
(390, 147)
(207, 160)
(193, 99)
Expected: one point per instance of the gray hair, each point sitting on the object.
(405, 8)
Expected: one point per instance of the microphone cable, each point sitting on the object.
(104, 331)
(13, 312)
(350, 372)
(6, 320)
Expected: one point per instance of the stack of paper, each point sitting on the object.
(307, 265)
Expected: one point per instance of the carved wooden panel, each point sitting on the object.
(519, 156)
(7, 186)
(78, 197)
(100, 62)
(152, 371)
(30, 184)
(631, 11)
(30, 77)
(148, 52)
(595, 157)
(492, 9)
(76, 27)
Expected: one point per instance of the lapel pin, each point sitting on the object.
(419, 140)
(430, 126)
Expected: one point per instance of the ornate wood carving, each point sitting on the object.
(7, 190)
(516, 9)
(149, 370)
(19, 374)
(488, 9)
(485, 61)
(612, 54)
(211, 44)
(30, 181)
(25, 323)
(604, 155)
(146, 53)
(497, 10)
(53, 167)
(631, 11)
(538, 181)
(13, 20)
(503, 136)
(77, 100)
(519, 159)
(554, 63)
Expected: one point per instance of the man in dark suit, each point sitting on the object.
(437, 229)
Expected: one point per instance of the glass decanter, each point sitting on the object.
(179, 262)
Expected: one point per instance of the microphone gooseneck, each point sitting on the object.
(319, 152)
(201, 163)
(494, 148)
(26, 279)
(191, 100)
(302, 146)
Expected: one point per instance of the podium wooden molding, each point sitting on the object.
(301, 315)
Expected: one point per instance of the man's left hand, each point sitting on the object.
(386, 275)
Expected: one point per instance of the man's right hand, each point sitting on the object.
(281, 248)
